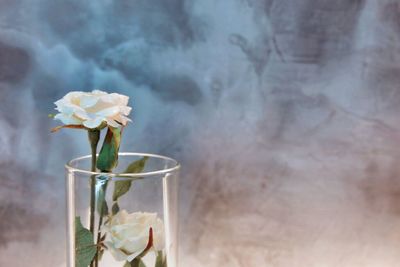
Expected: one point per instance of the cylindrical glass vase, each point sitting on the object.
(127, 218)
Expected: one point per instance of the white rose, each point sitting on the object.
(91, 109)
(128, 234)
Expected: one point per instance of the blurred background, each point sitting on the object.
(284, 115)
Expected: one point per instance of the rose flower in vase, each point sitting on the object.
(129, 237)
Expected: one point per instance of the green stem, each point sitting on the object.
(94, 136)
(96, 260)
(135, 262)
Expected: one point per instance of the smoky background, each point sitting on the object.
(284, 116)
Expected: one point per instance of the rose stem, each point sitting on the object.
(96, 259)
(94, 136)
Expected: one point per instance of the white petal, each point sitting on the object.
(71, 95)
(118, 255)
(82, 114)
(67, 107)
(123, 214)
(61, 102)
(123, 100)
(64, 106)
(120, 119)
(94, 123)
(67, 120)
(88, 101)
(108, 112)
(133, 255)
(112, 123)
(125, 110)
(117, 99)
(99, 92)
(109, 98)
(123, 120)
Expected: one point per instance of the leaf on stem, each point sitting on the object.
(121, 187)
(85, 249)
(108, 157)
(136, 166)
(115, 208)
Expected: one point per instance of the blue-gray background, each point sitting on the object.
(284, 114)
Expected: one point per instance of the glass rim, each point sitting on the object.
(176, 166)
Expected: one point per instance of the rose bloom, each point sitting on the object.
(128, 234)
(91, 109)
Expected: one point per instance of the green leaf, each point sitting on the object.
(121, 187)
(85, 249)
(108, 156)
(101, 185)
(115, 208)
(160, 260)
(136, 166)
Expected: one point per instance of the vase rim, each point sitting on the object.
(175, 166)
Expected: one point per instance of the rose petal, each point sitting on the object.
(93, 123)
(72, 95)
(125, 110)
(133, 256)
(67, 107)
(108, 98)
(108, 112)
(123, 100)
(87, 101)
(112, 123)
(117, 253)
(82, 114)
(64, 107)
(99, 92)
(67, 119)
(123, 120)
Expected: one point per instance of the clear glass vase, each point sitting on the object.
(125, 218)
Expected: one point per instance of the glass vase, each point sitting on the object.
(127, 218)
